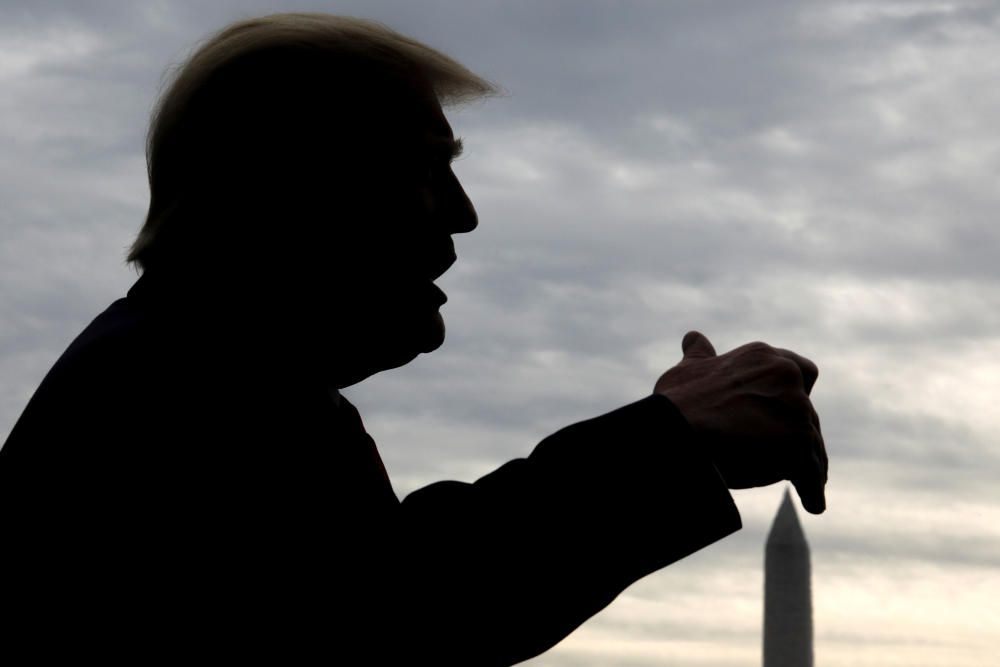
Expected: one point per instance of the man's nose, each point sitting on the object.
(463, 217)
(468, 220)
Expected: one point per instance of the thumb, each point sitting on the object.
(696, 345)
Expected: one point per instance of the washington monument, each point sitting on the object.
(788, 632)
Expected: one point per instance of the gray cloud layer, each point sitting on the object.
(819, 175)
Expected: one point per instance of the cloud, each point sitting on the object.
(820, 176)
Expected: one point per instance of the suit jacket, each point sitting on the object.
(171, 489)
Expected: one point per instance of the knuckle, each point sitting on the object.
(786, 369)
(811, 365)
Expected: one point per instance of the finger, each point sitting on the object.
(809, 370)
(695, 344)
(813, 500)
(809, 479)
(824, 461)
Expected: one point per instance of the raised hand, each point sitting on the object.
(751, 409)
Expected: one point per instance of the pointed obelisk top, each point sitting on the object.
(786, 529)
(788, 632)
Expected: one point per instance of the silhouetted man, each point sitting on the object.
(188, 480)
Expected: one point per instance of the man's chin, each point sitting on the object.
(435, 333)
(380, 352)
(423, 338)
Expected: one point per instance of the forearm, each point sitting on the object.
(517, 560)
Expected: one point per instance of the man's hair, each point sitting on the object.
(252, 100)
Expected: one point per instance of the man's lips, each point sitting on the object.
(436, 269)
(438, 294)
(438, 266)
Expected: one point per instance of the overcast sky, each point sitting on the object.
(822, 176)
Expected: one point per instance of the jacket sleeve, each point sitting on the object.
(500, 570)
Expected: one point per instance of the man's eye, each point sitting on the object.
(433, 169)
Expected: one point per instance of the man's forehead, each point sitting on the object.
(437, 127)
(417, 122)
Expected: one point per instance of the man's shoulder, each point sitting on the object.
(101, 352)
(107, 336)
(94, 358)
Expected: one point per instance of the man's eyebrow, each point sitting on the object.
(454, 147)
